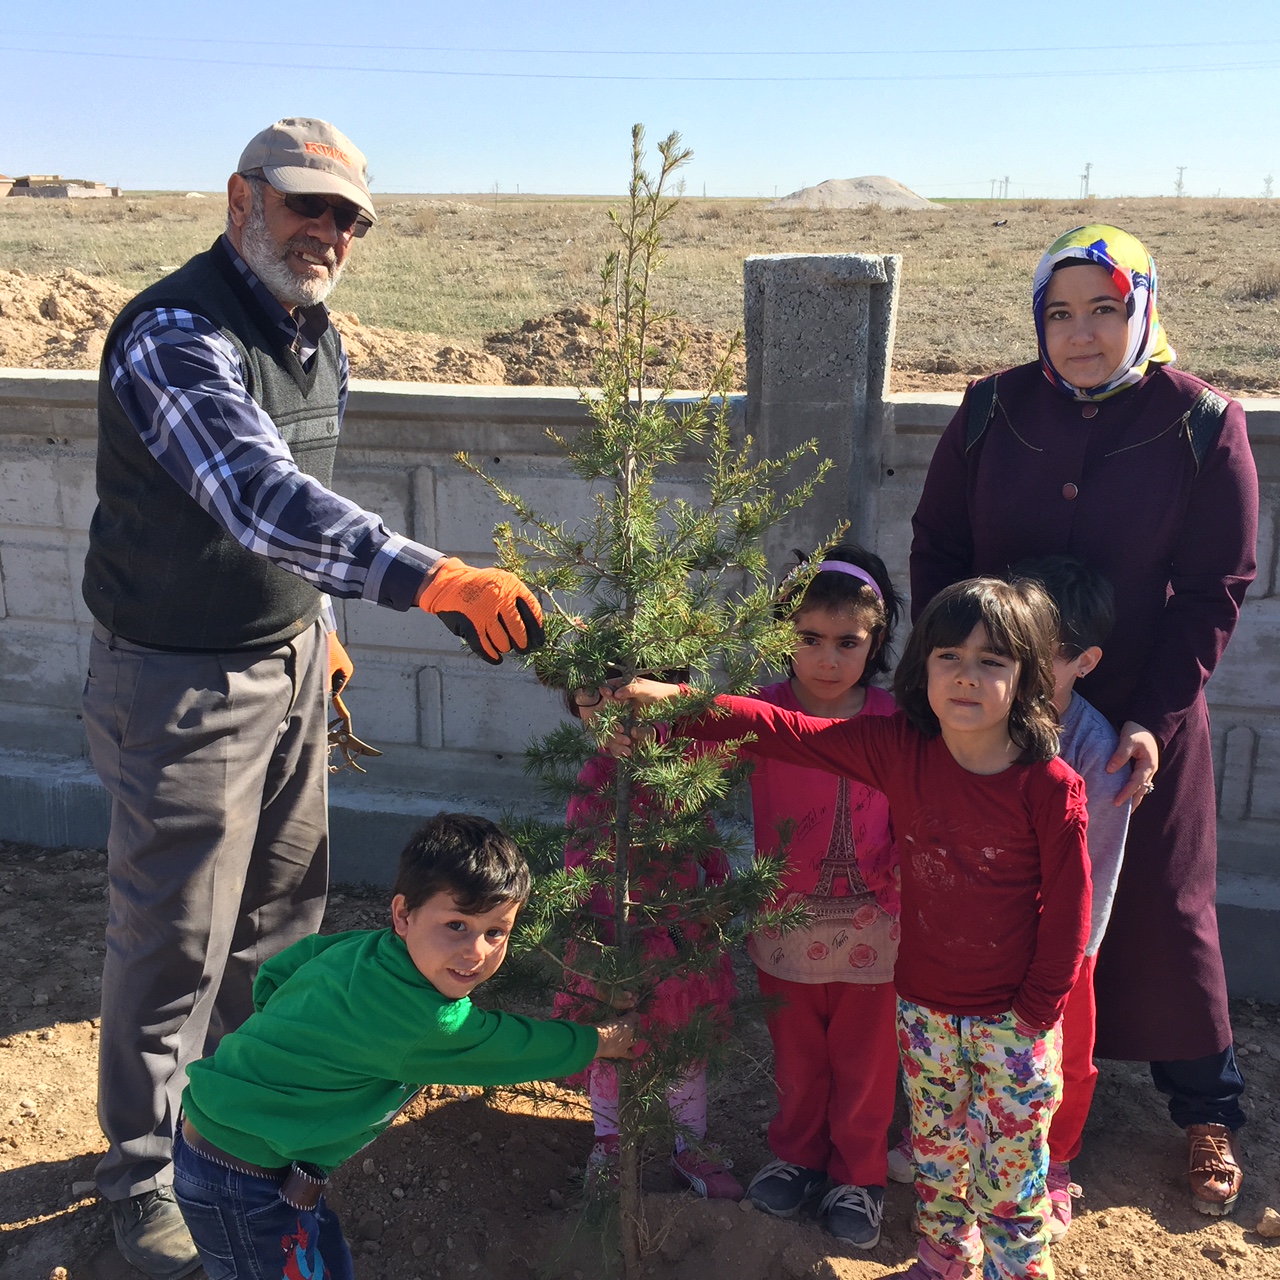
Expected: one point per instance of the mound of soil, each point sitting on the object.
(559, 350)
(851, 193)
(403, 356)
(55, 321)
(61, 321)
(468, 1185)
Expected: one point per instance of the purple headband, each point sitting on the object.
(843, 566)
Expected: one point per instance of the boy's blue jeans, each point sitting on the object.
(244, 1231)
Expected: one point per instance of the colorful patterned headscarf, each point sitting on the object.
(1134, 272)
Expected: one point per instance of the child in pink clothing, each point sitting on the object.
(834, 1046)
(675, 999)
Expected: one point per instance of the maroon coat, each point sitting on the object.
(1121, 490)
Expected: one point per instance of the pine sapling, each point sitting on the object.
(650, 583)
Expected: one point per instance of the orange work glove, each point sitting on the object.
(491, 609)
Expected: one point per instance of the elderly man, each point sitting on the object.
(215, 541)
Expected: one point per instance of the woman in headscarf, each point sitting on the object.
(1102, 451)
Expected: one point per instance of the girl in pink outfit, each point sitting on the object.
(675, 998)
(832, 1026)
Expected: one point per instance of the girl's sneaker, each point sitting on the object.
(854, 1213)
(933, 1264)
(780, 1188)
(1061, 1191)
(902, 1159)
(709, 1177)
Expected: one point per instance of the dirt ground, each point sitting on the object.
(468, 1185)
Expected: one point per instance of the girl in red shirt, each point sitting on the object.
(990, 827)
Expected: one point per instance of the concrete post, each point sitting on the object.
(819, 332)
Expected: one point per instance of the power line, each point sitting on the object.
(1199, 68)
(135, 38)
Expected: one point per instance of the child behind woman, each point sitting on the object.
(834, 1050)
(1086, 613)
(674, 999)
(990, 828)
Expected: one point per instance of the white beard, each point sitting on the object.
(270, 261)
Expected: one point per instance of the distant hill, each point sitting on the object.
(849, 193)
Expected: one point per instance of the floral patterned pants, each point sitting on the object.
(982, 1094)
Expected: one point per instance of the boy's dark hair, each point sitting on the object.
(470, 858)
(1020, 622)
(835, 592)
(1084, 599)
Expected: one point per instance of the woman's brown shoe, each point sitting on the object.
(1213, 1168)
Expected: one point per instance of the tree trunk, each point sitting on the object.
(629, 1205)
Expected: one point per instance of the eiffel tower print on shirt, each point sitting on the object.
(840, 861)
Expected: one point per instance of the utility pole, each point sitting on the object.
(993, 187)
(1178, 188)
(1004, 189)
(1084, 181)
(1266, 187)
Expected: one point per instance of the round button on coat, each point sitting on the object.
(1089, 411)
(1069, 491)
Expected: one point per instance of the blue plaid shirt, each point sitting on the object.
(181, 384)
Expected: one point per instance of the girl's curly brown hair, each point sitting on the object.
(1021, 623)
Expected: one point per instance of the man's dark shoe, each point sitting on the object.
(152, 1236)
(1214, 1168)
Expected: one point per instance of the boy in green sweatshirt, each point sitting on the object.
(347, 1029)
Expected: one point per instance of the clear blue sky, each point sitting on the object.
(943, 95)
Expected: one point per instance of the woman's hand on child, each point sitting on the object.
(617, 1039)
(1138, 745)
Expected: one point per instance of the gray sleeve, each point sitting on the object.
(1088, 742)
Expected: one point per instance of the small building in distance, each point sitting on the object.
(52, 186)
(5, 184)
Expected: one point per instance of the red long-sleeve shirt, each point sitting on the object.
(995, 871)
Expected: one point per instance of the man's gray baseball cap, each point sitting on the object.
(301, 156)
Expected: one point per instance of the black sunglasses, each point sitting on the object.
(346, 217)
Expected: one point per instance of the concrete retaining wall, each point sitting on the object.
(453, 728)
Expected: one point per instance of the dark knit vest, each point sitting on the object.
(160, 571)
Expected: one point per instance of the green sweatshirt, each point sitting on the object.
(346, 1031)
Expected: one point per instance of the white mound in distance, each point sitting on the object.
(850, 193)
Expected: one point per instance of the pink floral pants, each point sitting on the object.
(982, 1095)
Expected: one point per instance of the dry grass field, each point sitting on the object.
(466, 267)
